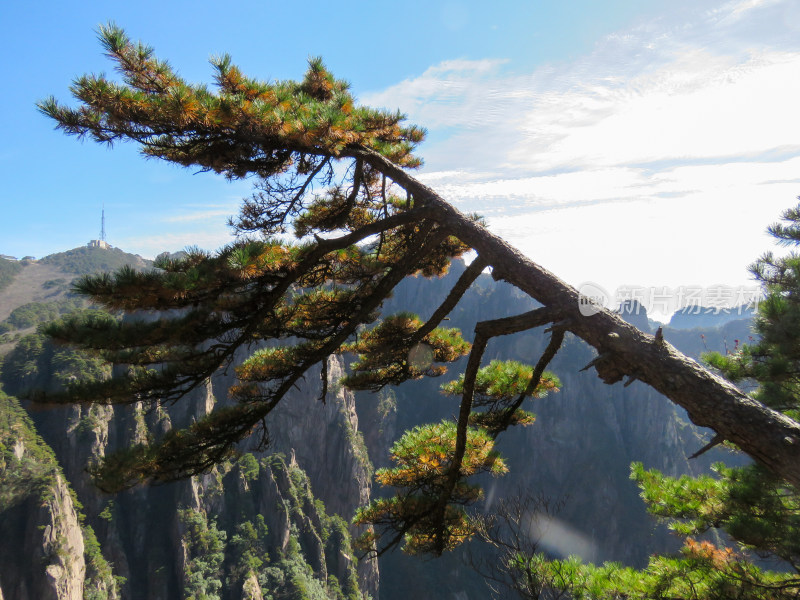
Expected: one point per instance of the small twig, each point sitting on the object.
(715, 441)
(595, 361)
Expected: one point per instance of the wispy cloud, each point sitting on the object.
(698, 106)
(218, 215)
(215, 213)
(450, 94)
(644, 95)
(690, 116)
(739, 9)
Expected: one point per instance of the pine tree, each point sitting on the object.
(337, 176)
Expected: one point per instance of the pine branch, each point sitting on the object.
(461, 286)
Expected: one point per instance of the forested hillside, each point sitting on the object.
(8, 270)
(86, 260)
(33, 292)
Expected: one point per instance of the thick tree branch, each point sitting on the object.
(770, 437)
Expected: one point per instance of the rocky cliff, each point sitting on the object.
(250, 528)
(47, 549)
(577, 454)
(258, 527)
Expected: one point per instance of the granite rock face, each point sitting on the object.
(147, 533)
(576, 455)
(43, 547)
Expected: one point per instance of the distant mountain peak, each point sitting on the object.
(633, 312)
(691, 317)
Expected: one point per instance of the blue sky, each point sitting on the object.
(628, 143)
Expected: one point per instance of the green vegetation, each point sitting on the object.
(59, 285)
(332, 533)
(37, 363)
(205, 546)
(27, 465)
(100, 582)
(223, 555)
(28, 468)
(107, 514)
(36, 313)
(8, 270)
(249, 467)
(249, 551)
(423, 457)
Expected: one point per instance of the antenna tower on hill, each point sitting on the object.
(101, 243)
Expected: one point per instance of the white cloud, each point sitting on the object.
(699, 106)
(661, 156)
(733, 11)
(662, 90)
(450, 94)
(199, 216)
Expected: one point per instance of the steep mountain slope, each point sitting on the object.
(28, 285)
(47, 549)
(252, 528)
(275, 525)
(48, 279)
(34, 291)
(579, 449)
(8, 271)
